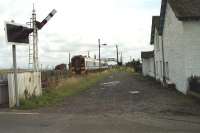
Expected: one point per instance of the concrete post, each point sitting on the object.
(15, 74)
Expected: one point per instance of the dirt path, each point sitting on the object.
(125, 93)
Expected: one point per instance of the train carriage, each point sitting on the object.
(82, 64)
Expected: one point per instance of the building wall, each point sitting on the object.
(29, 84)
(174, 50)
(181, 43)
(158, 56)
(192, 45)
(148, 67)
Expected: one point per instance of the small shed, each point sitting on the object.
(3, 90)
(148, 63)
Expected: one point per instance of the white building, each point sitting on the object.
(156, 41)
(177, 42)
(148, 64)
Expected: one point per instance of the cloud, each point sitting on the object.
(77, 26)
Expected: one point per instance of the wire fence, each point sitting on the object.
(51, 78)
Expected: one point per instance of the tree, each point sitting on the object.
(136, 64)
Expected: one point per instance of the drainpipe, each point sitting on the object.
(154, 64)
(163, 58)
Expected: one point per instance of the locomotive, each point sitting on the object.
(82, 64)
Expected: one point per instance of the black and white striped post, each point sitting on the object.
(50, 15)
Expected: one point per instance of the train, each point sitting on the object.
(61, 67)
(83, 64)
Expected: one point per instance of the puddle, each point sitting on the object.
(113, 83)
(134, 92)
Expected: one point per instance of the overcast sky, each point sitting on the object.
(77, 26)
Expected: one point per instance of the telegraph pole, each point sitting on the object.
(41, 67)
(88, 54)
(117, 54)
(121, 58)
(99, 53)
(69, 60)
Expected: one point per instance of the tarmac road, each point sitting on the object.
(122, 103)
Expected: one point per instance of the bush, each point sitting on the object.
(194, 83)
(136, 65)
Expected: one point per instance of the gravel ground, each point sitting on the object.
(128, 93)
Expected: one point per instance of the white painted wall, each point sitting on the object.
(29, 84)
(158, 56)
(182, 49)
(181, 42)
(174, 50)
(192, 45)
(148, 67)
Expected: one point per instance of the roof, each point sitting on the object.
(162, 15)
(155, 25)
(147, 55)
(184, 10)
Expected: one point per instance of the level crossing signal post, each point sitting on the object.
(18, 34)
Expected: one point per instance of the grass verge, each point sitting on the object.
(124, 69)
(69, 87)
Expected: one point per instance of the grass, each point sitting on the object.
(124, 69)
(69, 87)
(3, 71)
